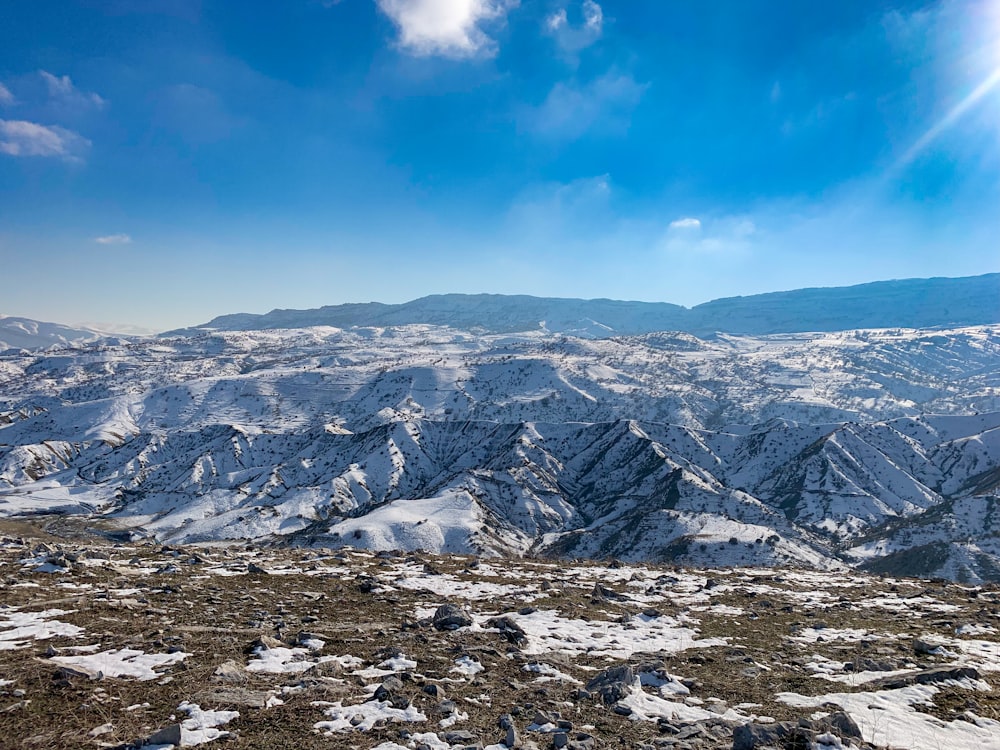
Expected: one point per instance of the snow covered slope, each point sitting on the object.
(874, 448)
(24, 333)
(911, 303)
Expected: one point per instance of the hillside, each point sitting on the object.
(24, 333)
(910, 303)
(124, 645)
(868, 448)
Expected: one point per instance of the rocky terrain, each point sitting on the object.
(115, 645)
(873, 449)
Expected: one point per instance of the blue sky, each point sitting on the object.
(165, 161)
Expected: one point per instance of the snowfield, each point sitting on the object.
(872, 448)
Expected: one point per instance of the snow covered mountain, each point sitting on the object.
(912, 303)
(24, 333)
(817, 449)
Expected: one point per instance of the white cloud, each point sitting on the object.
(5, 96)
(605, 104)
(574, 37)
(23, 138)
(451, 28)
(62, 88)
(593, 16)
(557, 20)
(686, 223)
(113, 239)
(728, 235)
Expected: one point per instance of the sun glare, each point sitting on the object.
(984, 57)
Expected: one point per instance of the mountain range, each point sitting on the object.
(860, 448)
(910, 303)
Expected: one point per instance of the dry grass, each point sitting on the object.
(215, 618)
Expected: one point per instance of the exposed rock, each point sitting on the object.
(230, 671)
(924, 677)
(508, 629)
(511, 738)
(613, 683)
(921, 646)
(451, 617)
(170, 735)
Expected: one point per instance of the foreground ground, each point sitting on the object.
(238, 647)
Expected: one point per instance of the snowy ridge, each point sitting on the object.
(910, 303)
(815, 450)
(24, 333)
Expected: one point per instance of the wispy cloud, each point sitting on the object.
(570, 110)
(686, 223)
(727, 234)
(62, 88)
(5, 96)
(23, 138)
(113, 239)
(449, 28)
(572, 37)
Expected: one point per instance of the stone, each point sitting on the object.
(755, 736)
(170, 735)
(613, 684)
(921, 646)
(509, 629)
(230, 671)
(603, 592)
(434, 690)
(265, 642)
(450, 617)
(236, 696)
(925, 677)
(459, 736)
(582, 741)
(844, 725)
(511, 738)
(391, 690)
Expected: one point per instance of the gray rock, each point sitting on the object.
(446, 707)
(434, 690)
(392, 690)
(545, 717)
(459, 736)
(612, 684)
(921, 646)
(167, 736)
(509, 630)
(603, 592)
(843, 725)
(756, 736)
(78, 670)
(230, 671)
(511, 738)
(925, 677)
(450, 617)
